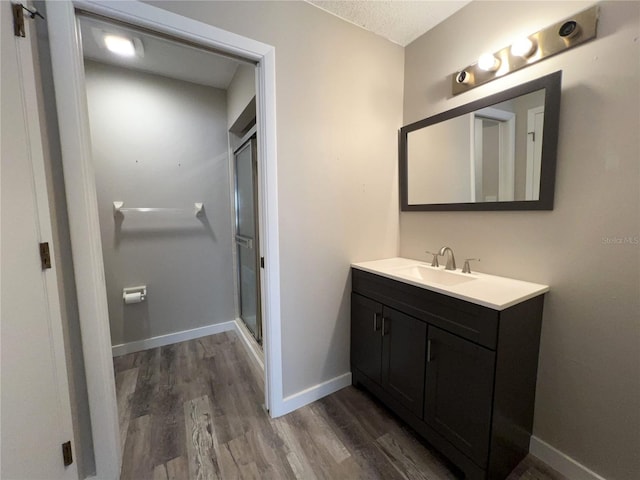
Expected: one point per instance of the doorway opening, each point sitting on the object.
(493, 155)
(161, 114)
(84, 208)
(160, 117)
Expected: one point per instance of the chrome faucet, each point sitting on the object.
(451, 260)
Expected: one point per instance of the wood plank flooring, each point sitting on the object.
(193, 411)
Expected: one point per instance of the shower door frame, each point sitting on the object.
(80, 186)
(249, 141)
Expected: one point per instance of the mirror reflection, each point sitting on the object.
(492, 154)
(495, 153)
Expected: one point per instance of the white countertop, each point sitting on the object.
(490, 291)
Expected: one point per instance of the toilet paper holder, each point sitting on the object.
(134, 294)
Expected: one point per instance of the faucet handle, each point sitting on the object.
(434, 261)
(466, 268)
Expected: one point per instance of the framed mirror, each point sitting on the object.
(496, 153)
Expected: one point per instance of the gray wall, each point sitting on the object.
(160, 142)
(586, 249)
(435, 157)
(240, 92)
(339, 106)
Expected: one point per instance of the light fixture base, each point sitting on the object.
(549, 41)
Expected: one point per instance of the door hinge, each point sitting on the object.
(45, 255)
(18, 20)
(67, 454)
(18, 10)
(261, 262)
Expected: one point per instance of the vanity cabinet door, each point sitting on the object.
(366, 336)
(459, 392)
(404, 341)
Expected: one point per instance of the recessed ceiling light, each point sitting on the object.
(120, 45)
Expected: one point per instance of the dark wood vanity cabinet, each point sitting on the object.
(403, 339)
(384, 344)
(458, 394)
(461, 375)
(366, 336)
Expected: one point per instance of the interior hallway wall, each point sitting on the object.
(338, 107)
(241, 91)
(587, 248)
(160, 142)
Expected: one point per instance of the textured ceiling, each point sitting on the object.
(401, 21)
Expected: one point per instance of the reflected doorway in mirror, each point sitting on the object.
(496, 153)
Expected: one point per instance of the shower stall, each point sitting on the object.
(246, 237)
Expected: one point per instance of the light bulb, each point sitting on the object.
(120, 45)
(488, 62)
(523, 47)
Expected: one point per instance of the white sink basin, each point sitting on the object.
(490, 291)
(434, 275)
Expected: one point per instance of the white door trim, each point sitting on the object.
(476, 160)
(68, 72)
(532, 185)
(507, 160)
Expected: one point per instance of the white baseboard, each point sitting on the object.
(168, 339)
(311, 394)
(560, 461)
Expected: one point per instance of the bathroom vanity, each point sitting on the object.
(454, 355)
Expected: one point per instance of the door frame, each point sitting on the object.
(80, 186)
(532, 185)
(507, 158)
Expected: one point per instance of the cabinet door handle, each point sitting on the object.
(376, 327)
(384, 326)
(429, 351)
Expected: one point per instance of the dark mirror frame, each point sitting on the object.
(552, 85)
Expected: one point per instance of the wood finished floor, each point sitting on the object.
(193, 411)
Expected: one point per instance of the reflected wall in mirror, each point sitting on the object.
(497, 153)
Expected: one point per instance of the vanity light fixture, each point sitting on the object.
(556, 38)
(523, 47)
(569, 29)
(488, 62)
(463, 77)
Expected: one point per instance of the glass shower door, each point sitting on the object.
(247, 245)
